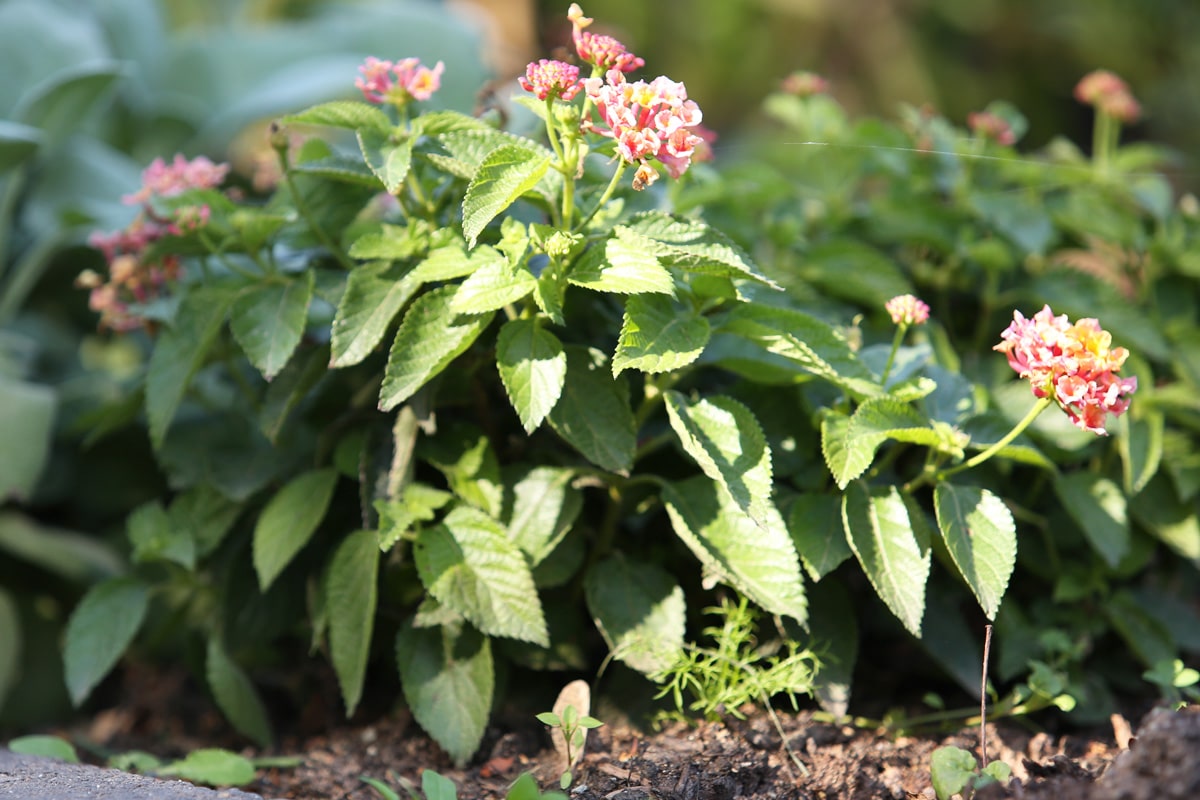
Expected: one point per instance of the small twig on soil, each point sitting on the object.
(987, 647)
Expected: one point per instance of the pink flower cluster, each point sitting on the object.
(987, 125)
(803, 83)
(1109, 95)
(654, 120)
(546, 78)
(1073, 363)
(602, 52)
(398, 82)
(905, 309)
(134, 278)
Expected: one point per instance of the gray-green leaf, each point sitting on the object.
(639, 610)
(236, 695)
(289, 521)
(100, 629)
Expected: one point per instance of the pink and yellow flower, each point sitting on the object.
(906, 309)
(398, 82)
(1108, 94)
(1074, 363)
(987, 125)
(603, 52)
(546, 78)
(161, 179)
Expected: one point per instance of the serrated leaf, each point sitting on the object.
(815, 524)
(982, 539)
(348, 114)
(545, 506)
(639, 610)
(533, 369)
(448, 682)
(268, 320)
(469, 564)
(811, 344)
(212, 766)
(886, 542)
(99, 631)
(725, 439)
(1098, 507)
(351, 591)
(465, 456)
(340, 168)
(374, 296)
(492, 286)
(430, 337)
(505, 174)
(154, 537)
(450, 262)
(622, 267)
(289, 520)
(388, 156)
(391, 242)
(416, 503)
(873, 423)
(180, 352)
(593, 413)
(692, 245)
(760, 562)
(659, 335)
(236, 696)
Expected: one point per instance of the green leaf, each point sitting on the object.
(348, 169)
(416, 503)
(493, 285)
(692, 245)
(10, 654)
(760, 562)
(100, 629)
(1099, 509)
(950, 770)
(891, 548)
(811, 344)
(268, 320)
(725, 439)
(26, 427)
(659, 335)
(78, 558)
(1170, 520)
(180, 352)
(430, 337)
(1140, 442)
(533, 368)
(621, 266)
(45, 746)
(388, 158)
(374, 295)
(469, 564)
(386, 242)
(62, 103)
(593, 413)
(351, 591)
(236, 696)
(17, 144)
(347, 114)
(465, 456)
(155, 537)
(545, 506)
(289, 388)
(981, 536)
(850, 270)
(438, 787)
(815, 524)
(505, 174)
(448, 682)
(289, 520)
(212, 766)
(639, 610)
(452, 261)
(849, 447)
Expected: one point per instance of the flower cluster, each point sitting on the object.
(546, 78)
(905, 309)
(602, 52)
(398, 82)
(803, 83)
(987, 125)
(1109, 95)
(133, 276)
(1073, 363)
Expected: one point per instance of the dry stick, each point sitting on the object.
(987, 647)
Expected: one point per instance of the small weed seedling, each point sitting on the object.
(1174, 681)
(435, 786)
(574, 730)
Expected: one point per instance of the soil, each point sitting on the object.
(733, 758)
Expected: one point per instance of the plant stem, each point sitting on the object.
(901, 329)
(987, 649)
(612, 186)
(1103, 138)
(1041, 405)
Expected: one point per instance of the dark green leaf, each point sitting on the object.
(639, 610)
(289, 521)
(593, 413)
(1099, 509)
(268, 320)
(350, 596)
(27, 413)
(815, 524)
(235, 694)
(100, 629)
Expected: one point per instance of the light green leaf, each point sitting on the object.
(289, 521)
(873, 423)
(268, 320)
(639, 610)
(448, 682)
(982, 539)
(623, 267)
(348, 169)
(505, 174)
(725, 439)
(45, 746)
(891, 548)
(351, 115)
(593, 413)
(1170, 520)
(430, 337)
(659, 335)
(1140, 442)
(469, 564)
(452, 261)
(815, 524)
(417, 503)
(154, 537)
(26, 427)
(1099, 509)
(386, 242)
(950, 770)
(760, 562)
(374, 295)
(180, 352)
(100, 629)
(388, 157)
(236, 696)
(465, 456)
(533, 368)
(351, 591)
(492, 286)
(814, 346)
(10, 654)
(545, 506)
(692, 245)
(212, 766)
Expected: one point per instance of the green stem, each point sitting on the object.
(901, 329)
(1041, 405)
(608, 192)
(1103, 138)
(220, 256)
